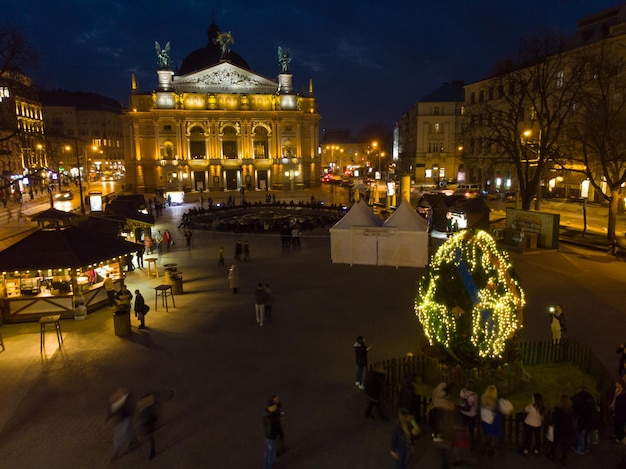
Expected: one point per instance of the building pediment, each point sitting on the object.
(224, 78)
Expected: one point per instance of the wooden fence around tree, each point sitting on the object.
(507, 378)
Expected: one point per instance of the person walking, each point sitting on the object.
(158, 239)
(360, 350)
(188, 235)
(259, 304)
(109, 287)
(167, 239)
(148, 416)
(402, 435)
(273, 429)
(121, 410)
(269, 302)
(140, 309)
(532, 423)
(238, 251)
(233, 278)
(374, 385)
(220, 257)
(557, 322)
(246, 251)
(622, 360)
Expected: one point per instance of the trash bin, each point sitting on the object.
(121, 321)
(177, 283)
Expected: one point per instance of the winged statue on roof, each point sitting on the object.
(163, 55)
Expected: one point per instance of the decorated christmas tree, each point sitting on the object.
(470, 303)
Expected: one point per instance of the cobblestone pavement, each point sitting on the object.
(222, 367)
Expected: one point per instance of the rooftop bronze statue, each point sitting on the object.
(224, 40)
(163, 55)
(283, 60)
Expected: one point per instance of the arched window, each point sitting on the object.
(197, 147)
(260, 143)
(229, 143)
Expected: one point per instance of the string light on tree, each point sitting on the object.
(470, 303)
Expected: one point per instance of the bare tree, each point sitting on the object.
(517, 119)
(596, 141)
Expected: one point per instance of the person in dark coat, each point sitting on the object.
(585, 409)
(374, 386)
(360, 349)
(564, 430)
(238, 250)
(407, 399)
(622, 359)
(273, 430)
(147, 411)
(140, 309)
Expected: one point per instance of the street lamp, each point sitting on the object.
(80, 183)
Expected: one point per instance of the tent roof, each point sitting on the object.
(359, 215)
(62, 248)
(406, 219)
(52, 214)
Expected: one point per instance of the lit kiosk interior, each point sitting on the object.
(57, 268)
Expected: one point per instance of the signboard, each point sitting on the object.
(95, 201)
(544, 225)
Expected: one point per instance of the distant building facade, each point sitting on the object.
(427, 137)
(21, 131)
(91, 121)
(213, 124)
(341, 153)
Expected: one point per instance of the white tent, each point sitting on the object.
(409, 245)
(348, 241)
(359, 238)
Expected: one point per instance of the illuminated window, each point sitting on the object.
(560, 75)
(437, 128)
(436, 111)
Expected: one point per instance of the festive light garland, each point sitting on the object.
(477, 282)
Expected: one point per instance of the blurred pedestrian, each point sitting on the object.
(220, 256)
(148, 416)
(402, 436)
(121, 410)
(374, 386)
(246, 251)
(533, 422)
(238, 251)
(585, 410)
(408, 400)
(491, 419)
(188, 235)
(564, 433)
(259, 304)
(360, 349)
(442, 408)
(233, 278)
(269, 302)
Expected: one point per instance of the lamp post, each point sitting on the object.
(436, 174)
(292, 175)
(80, 183)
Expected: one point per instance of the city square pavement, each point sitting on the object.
(218, 368)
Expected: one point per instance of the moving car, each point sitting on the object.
(64, 195)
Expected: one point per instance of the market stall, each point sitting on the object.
(53, 270)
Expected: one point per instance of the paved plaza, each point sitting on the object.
(222, 367)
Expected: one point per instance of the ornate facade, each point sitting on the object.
(213, 124)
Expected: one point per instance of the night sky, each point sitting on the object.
(369, 60)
